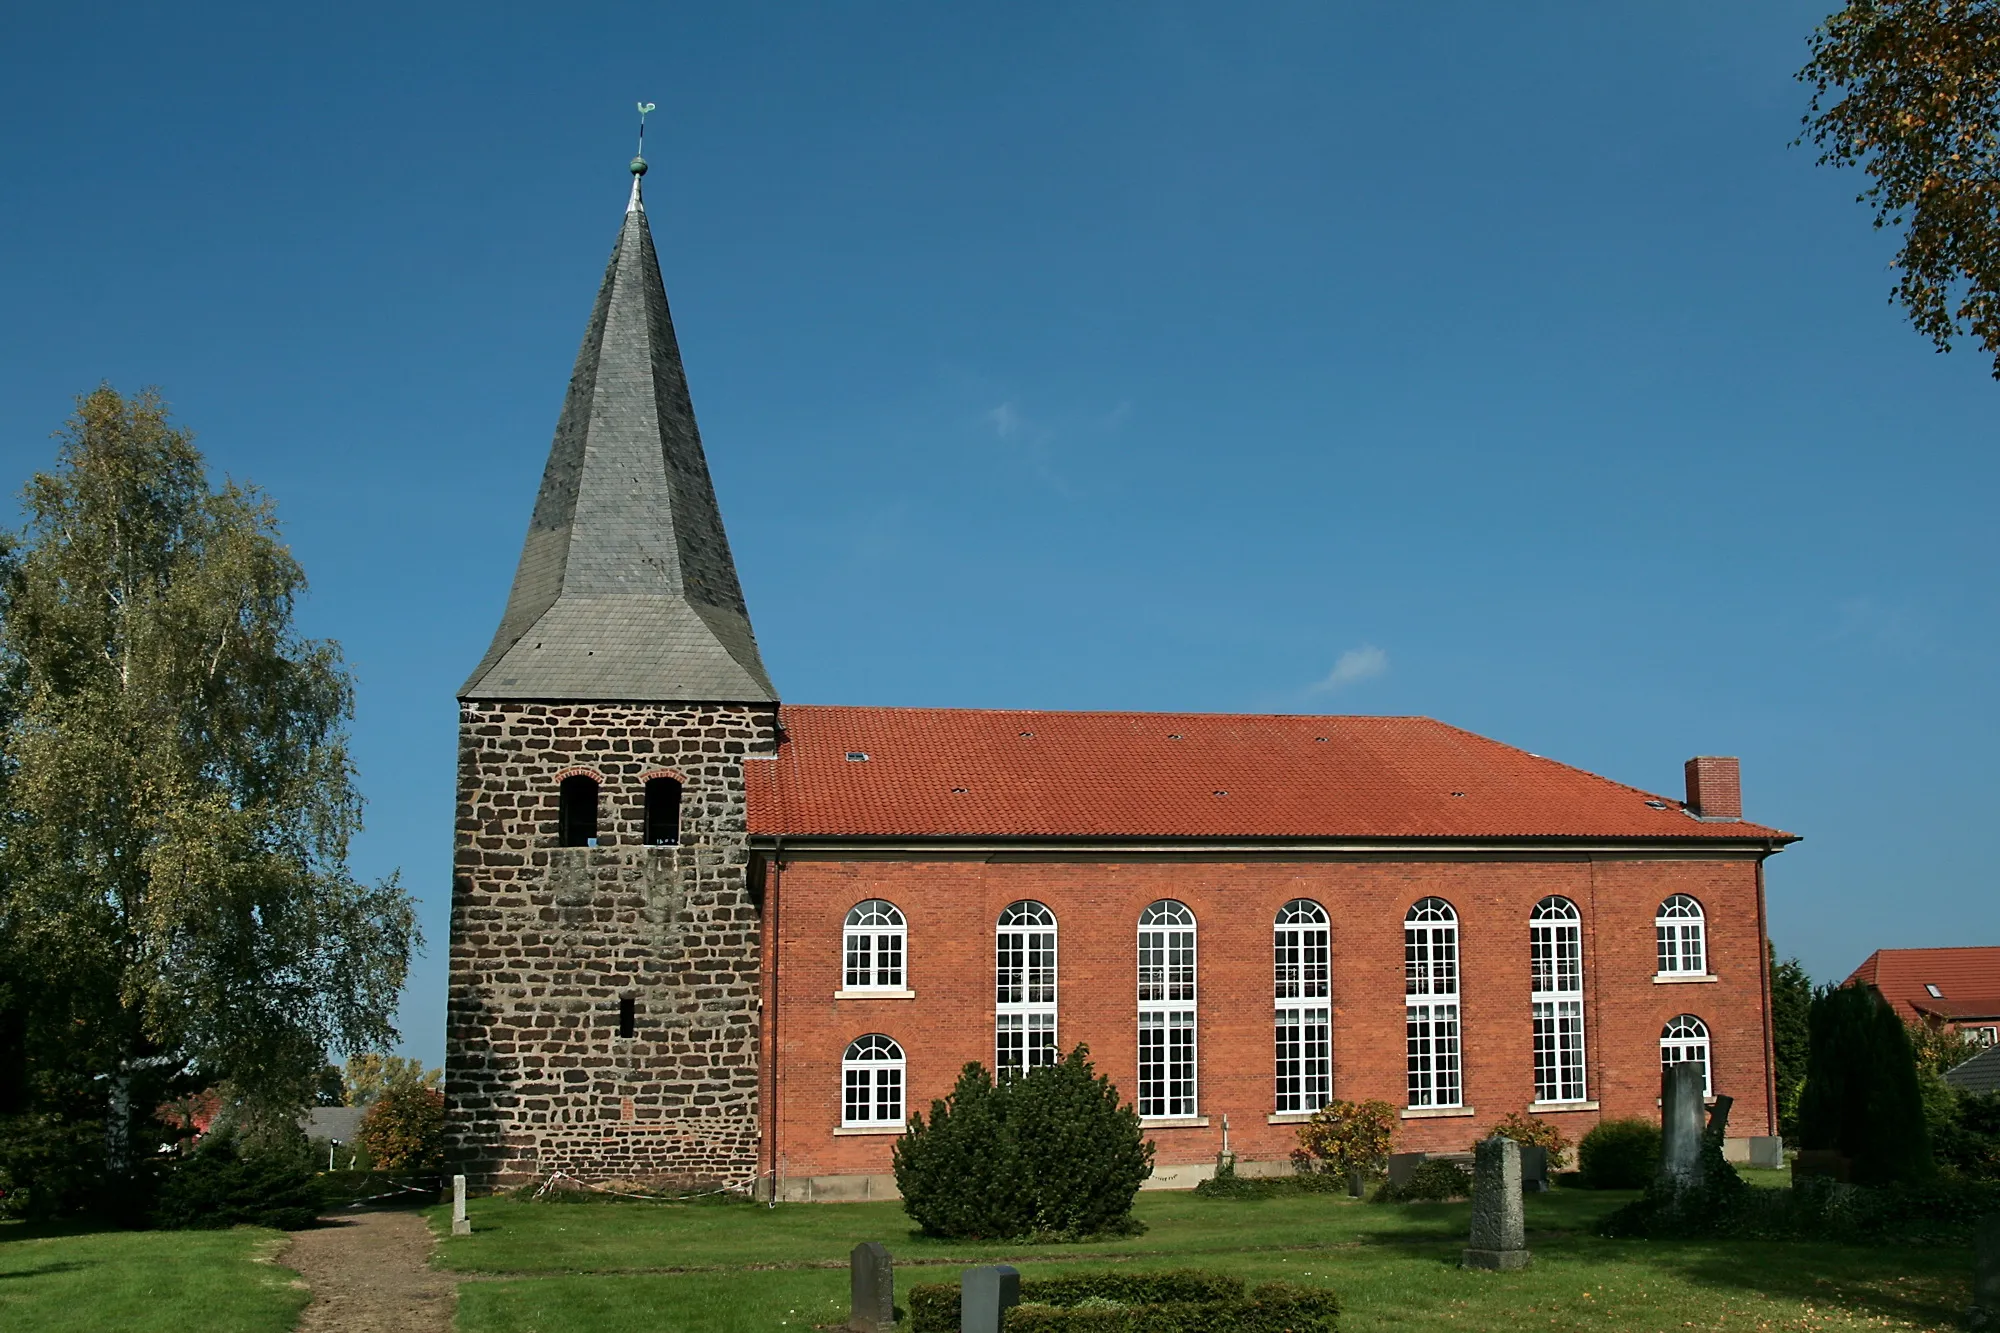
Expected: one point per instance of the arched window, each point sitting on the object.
(1166, 1010)
(1430, 990)
(1683, 1040)
(663, 812)
(871, 1080)
(1299, 956)
(576, 799)
(1555, 960)
(873, 947)
(1683, 950)
(1024, 990)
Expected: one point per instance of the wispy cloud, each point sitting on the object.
(1351, 667)
(1005, 420)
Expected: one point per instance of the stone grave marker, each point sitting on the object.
(1499, 1224)
(1402, 1166)
(1534, 1168)
(872, 1289)
(1984, 1316)
(1680, 1125)
(984, 1296)
(1767, 1152)
(460, 1224)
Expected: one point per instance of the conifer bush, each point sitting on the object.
(1619, 1155)
(1050, 1153)
(225, 1182)
(1862, 1097)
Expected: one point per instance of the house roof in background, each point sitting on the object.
(968, 773)
(1979, 1074)
(1967, 980)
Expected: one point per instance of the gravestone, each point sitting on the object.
(1767, 1152)
(1984, 1316)
(1680, 1125)
(984, 1296)
(872, 1288)
(460, 1224)
(1534, 1168)
(1499, 1226)
(1403, 1165)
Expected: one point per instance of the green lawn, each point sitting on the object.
(77, 1281)
(612, 1268)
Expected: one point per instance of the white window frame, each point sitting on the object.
(1683, 1039)
(874, 952)
(1555, 965)
(1433, 1035)
(1983, 1036)
(1680, 931)
(1301, 966)
(1167, 1052)
(873, 1082)
(1024, 988)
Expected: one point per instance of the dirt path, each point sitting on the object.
(370, 1273)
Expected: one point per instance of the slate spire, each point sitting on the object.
(626, 591)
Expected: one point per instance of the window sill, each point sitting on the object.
(1681, 978)
(874, 995)
(848, 1131)
(1562, 1106)
(1435, 1112)
(1288, 1117)
(1175, 1122)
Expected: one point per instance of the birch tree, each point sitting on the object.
(176, 786)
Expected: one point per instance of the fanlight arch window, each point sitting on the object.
(1683, 939)
(1166, 1010)
(1024, 989)
(1683, 1040)
(873, 946)
(1431, 1004)
(871, 1078)
(1555, 961)
(1301, 983)
(576, 811)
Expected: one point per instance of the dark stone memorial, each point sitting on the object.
(1984, 1316)
(1403, 1165)
(1767, 1152)
(1681, 1125)
(1534, 1168)
(985, 1295)
(872, 1287)
(1499, 1225)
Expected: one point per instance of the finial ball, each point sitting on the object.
(638, 166)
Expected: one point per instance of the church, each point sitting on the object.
(702, 936)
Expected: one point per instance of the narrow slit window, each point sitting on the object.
(577, 811)
(663, 812)
(628, 1016)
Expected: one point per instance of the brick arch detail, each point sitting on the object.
(580, 772)
(650, 774)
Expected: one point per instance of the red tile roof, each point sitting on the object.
(942, 772)
(1969, 979)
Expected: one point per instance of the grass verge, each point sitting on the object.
(73, 1280)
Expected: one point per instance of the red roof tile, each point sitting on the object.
(940, 772)
(1968, 980)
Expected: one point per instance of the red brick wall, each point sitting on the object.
(951, 907)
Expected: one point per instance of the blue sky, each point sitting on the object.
(1497, 363)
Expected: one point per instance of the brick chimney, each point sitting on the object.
(1715, 788)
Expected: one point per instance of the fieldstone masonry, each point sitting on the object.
(547, 940)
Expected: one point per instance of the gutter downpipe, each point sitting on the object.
(1764, 966)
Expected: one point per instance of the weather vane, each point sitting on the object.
(638, 163)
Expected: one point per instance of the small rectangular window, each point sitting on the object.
(577, 811)
(628, 1016)
(663, 812)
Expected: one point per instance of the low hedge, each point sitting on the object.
(1175, 1301)
(1431, 1182)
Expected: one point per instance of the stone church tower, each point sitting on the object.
(605, 970)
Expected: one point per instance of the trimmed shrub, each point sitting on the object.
(1050, 1154)
(1619, 1155)
(404, 1130)
(1178, 1301)
(1862, 1097)
(1342, 1136)
(1431, 1182)
(1529, 1129)
(222, 1184)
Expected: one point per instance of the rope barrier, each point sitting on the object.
(734, 1187)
